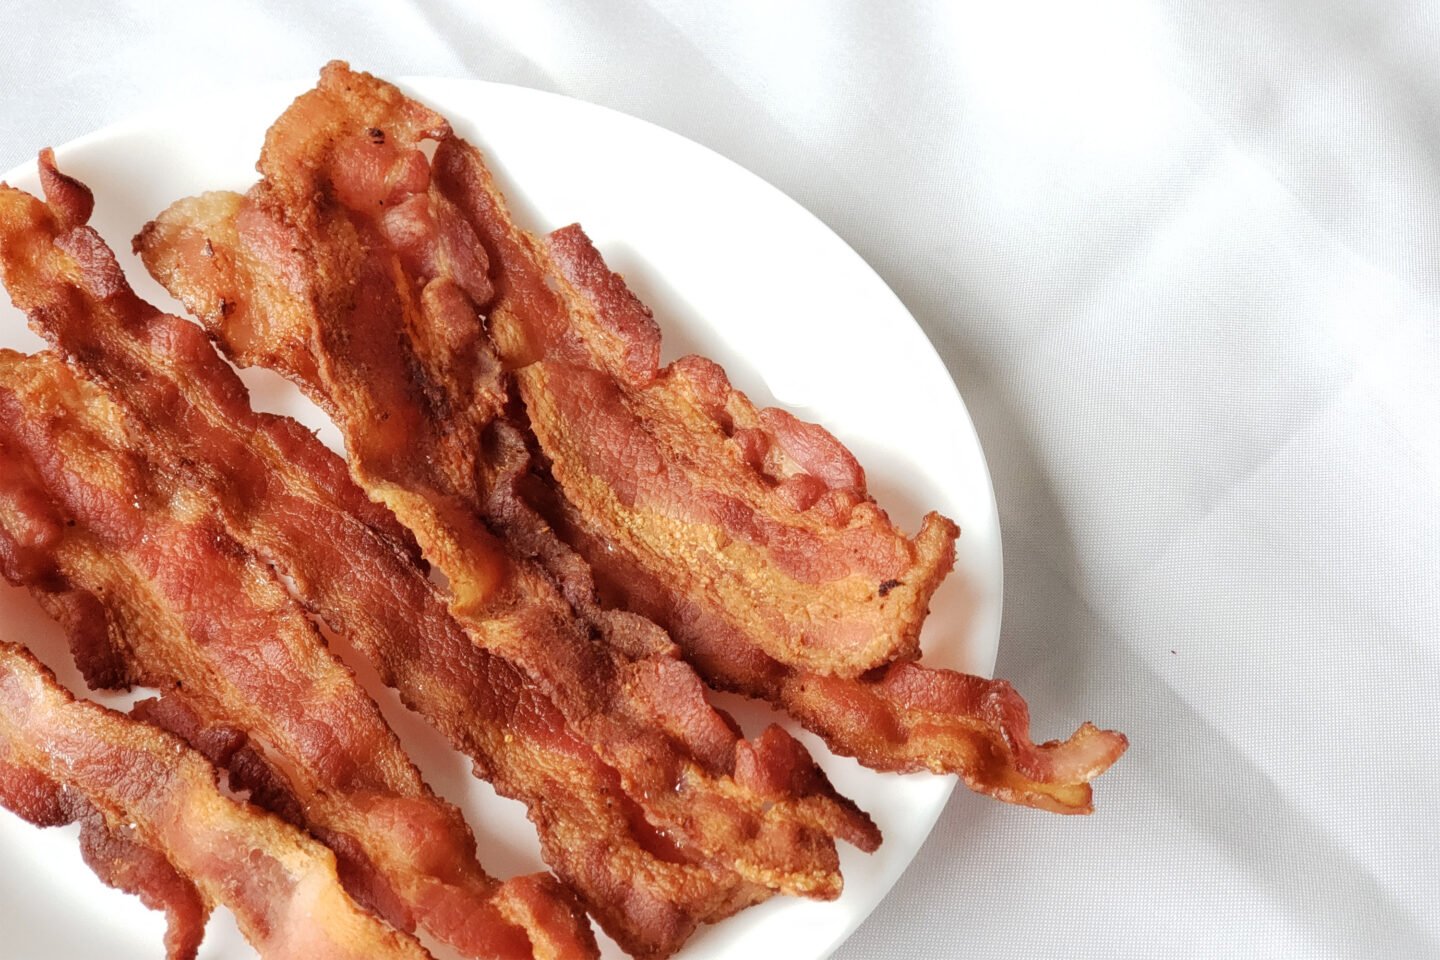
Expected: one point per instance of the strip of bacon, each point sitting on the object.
(903, 716)
(343, 270)
(115, 854)
(660, 473)
(156, 822)
(190, 611)
(285, 496)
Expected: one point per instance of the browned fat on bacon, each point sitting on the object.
(155, 823)
(247, 678)
(286, 497)
(343, 269)
(724, 523)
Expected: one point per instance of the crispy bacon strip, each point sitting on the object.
(285, 496)
(904, 718)
(755, 515)
(155, 822)
(115, 854)
(660, 473)
(198, 616)
(343, 270)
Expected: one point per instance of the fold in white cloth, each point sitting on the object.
(1181, 260)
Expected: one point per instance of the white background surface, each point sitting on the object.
(1181, 259)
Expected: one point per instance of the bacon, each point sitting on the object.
(284, 496)
(396, 355)
(154, 822)
(902, 718)
(116, 856)
(200, 617)
(746, 533)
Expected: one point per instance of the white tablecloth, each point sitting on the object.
(1181, 258)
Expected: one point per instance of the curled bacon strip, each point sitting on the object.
(155, 822)
(659, 473)
(288, 499)
(345, 271)
(190, 611)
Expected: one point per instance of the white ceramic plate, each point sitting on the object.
(734, 270)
